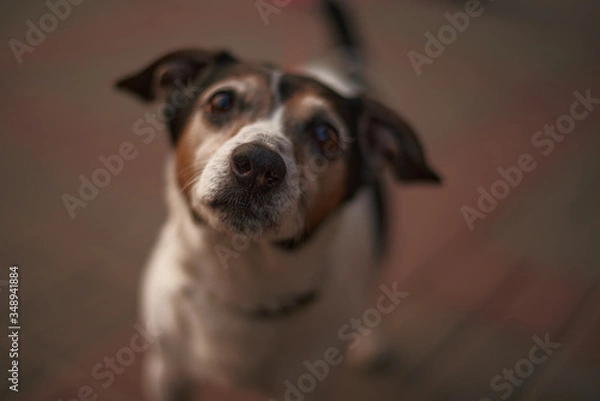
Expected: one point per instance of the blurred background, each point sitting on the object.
(482, 290)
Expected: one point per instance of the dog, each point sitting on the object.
(276, 214)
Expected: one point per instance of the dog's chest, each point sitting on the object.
(223, 344)
(230, 347)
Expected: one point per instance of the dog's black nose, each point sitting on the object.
(257, 167)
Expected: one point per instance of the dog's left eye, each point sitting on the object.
(221, 102)
(328, 139)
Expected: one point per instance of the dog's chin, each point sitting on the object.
(246, 222)
(253, 219)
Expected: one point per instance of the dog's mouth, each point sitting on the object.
(240, 201)
(244, 213)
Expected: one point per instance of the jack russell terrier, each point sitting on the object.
(277, 214)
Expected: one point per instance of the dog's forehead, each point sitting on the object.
(303, 96)
(295, 92)
(238, 76)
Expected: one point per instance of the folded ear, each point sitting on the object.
(386, 139)
(162, 77)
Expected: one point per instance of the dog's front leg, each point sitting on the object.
(164, 378)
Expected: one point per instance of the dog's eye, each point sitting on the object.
(221, 102)
(327, 139)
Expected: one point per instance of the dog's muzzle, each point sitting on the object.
(250, 193)
(257, 168)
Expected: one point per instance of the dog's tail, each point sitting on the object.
(346, 39)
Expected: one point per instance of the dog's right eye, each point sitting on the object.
(221, 102)
(328, 140)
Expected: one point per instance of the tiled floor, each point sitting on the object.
(477, 298)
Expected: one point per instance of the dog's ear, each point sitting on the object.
(162, 77)
(387, 140)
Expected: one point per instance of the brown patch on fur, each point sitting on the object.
(185, 163)
(331, 193)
